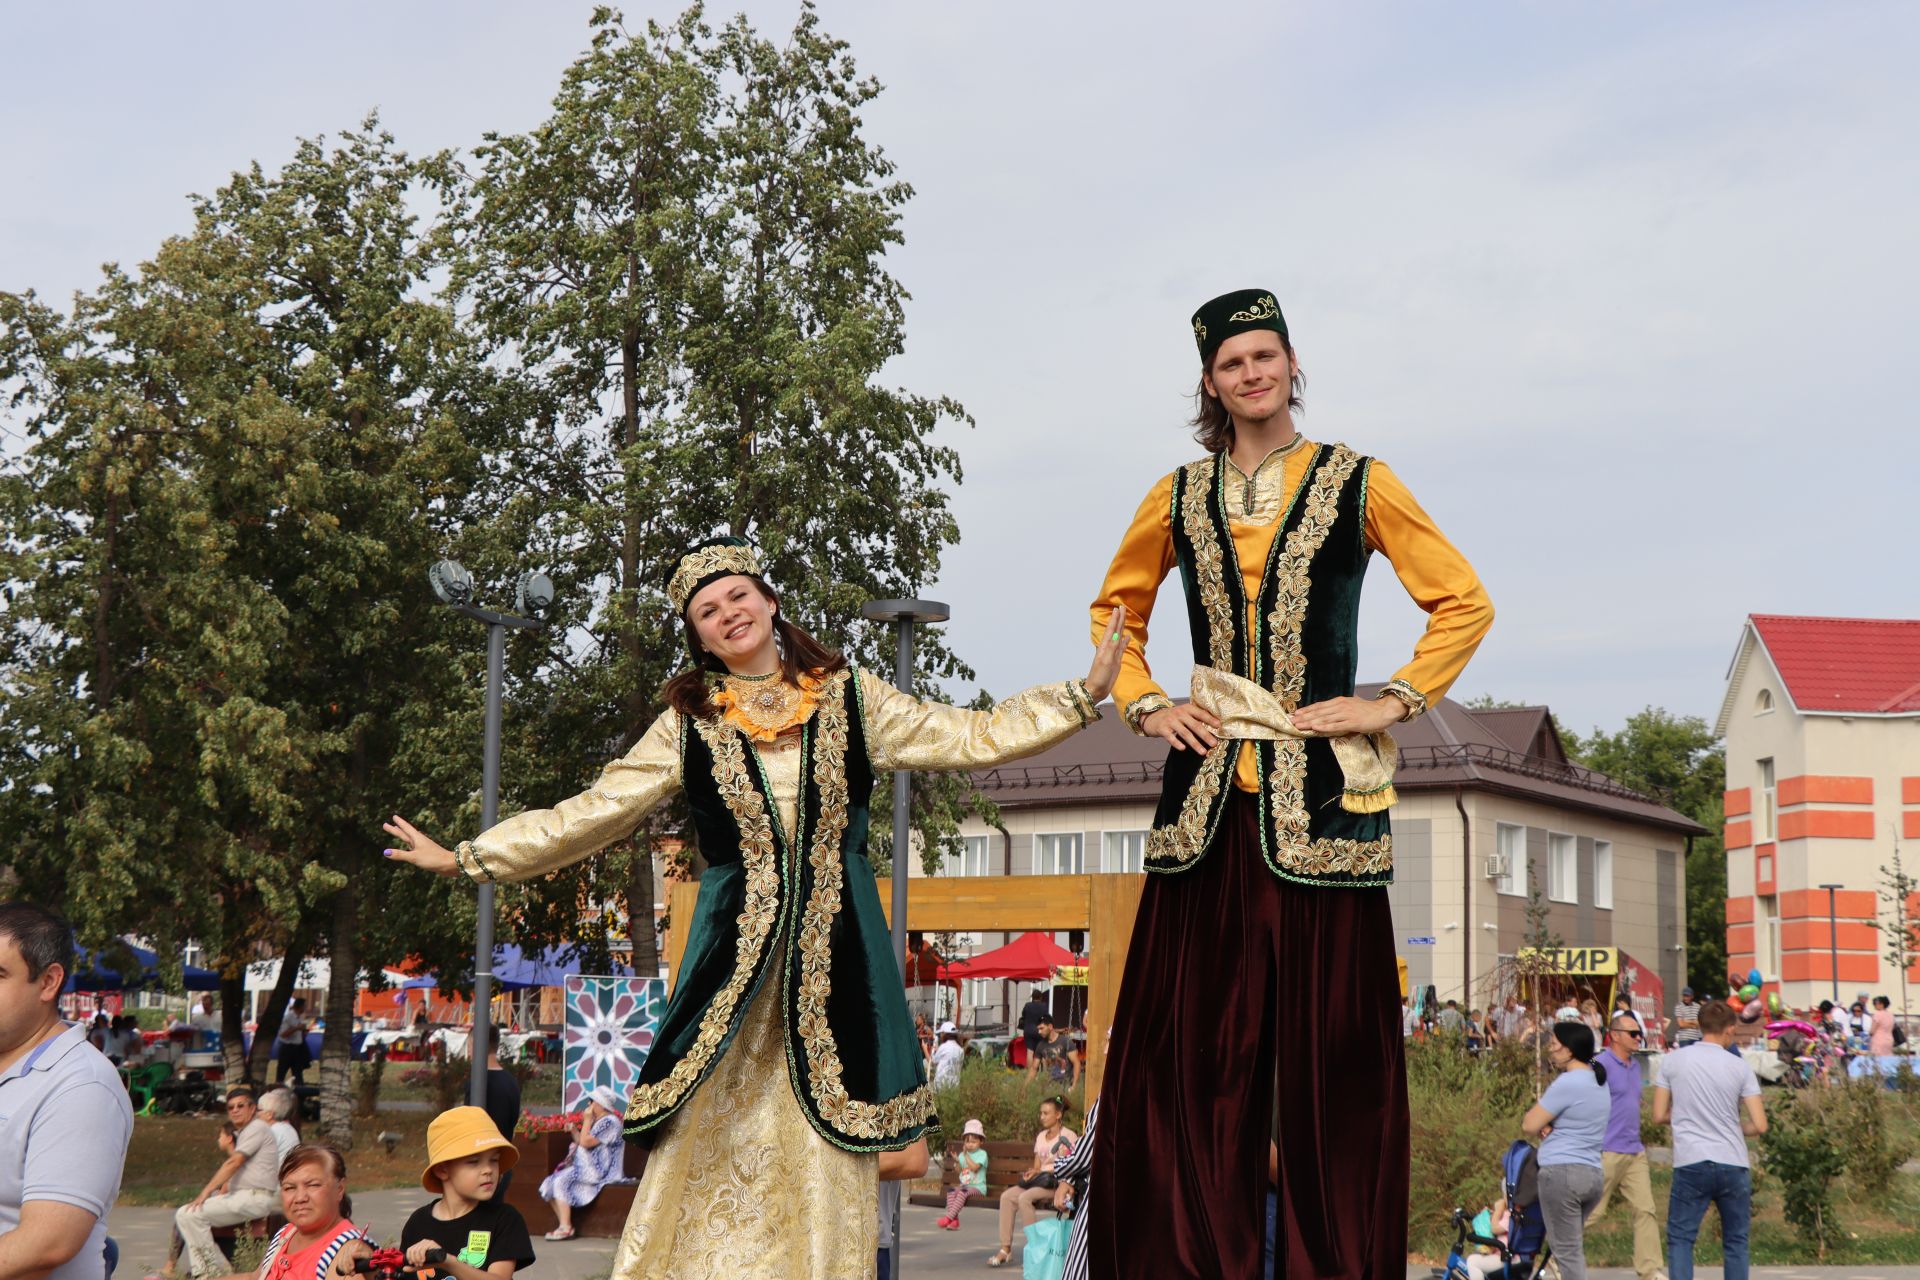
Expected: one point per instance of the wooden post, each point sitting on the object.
(1114, 902)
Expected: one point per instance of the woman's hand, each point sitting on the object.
(1106, 659)
(421, 850)
(1337, 716)
(1062, 1195)
(1185, 726)
(352, 1253)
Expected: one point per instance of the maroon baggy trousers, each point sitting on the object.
(1253, 1008)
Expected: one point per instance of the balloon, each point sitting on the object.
(1733, 1003)
(1775, 1005)
(1751, 1011)
(1749, 992)
(1735, 982)
(1753, 976)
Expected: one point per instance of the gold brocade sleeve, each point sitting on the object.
(906, 733)
(538, 841)
(1133, 579)
(1438, 578)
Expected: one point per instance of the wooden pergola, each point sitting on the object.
(1102, 905)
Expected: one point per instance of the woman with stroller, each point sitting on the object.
(1571, 1119)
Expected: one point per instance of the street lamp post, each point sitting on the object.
(903, 614)
(1833, 939)
(532, 595)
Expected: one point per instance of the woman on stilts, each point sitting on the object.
(785, 1061)
(1266, 921)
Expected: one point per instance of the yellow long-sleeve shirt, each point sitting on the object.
(1432, 570)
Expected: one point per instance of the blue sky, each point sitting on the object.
(1624, 292)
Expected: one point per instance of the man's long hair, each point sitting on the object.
(1213, 425)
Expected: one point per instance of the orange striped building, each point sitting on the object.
(1822, 726)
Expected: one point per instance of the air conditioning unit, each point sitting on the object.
(1496, 866)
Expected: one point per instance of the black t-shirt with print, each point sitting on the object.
(493, 1232)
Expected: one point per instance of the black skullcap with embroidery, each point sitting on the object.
(1238, 312)
(706, 562)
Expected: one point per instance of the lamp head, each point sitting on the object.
(532, 594)
(450, 581)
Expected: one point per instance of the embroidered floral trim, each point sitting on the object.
(764, 716)
(724, 558)
(1209, 561)
(1083, 703)
(1263, 308)
(1183, 840)
(848, 1116)
(1136, 712)
(758, 913)
(1416, 701)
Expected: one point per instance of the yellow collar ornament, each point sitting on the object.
(764, 707)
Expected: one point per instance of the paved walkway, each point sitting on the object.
(929, 1251)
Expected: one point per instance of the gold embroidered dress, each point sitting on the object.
(785, 1059)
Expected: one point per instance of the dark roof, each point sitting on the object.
(1510, 750)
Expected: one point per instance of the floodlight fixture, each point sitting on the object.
(532, 594)
(451, 581)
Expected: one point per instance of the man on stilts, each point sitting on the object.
(1267, 922)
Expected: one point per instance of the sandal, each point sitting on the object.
(560, 1233)
(1001, 1258)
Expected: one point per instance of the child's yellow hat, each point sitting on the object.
(459, 1133)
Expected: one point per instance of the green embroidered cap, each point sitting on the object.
(1241, 311)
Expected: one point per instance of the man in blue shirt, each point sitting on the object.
(63, 1111)
(1623, 1157)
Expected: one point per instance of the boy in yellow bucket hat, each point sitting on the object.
(484, 1239)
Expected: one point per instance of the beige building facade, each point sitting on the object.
(1822, 725)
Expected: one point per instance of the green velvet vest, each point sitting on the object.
(1303, 648)
(798, 909)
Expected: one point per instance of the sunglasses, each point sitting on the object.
(1629, 1031)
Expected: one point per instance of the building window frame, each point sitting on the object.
(1763, 703)
(1514, 882)
(971, 860)
(1603, 874)
(1045, 839)
(1129, 859)
(1563, 868)
(1765, 817)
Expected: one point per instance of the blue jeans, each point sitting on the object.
(1730, 1186)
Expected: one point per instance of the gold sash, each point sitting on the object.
(1248, 712)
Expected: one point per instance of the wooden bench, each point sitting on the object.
(605, 1218)
(1006, 1161)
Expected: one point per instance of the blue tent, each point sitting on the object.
(88, 975)
(514, 970)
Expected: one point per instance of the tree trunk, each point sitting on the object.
(640, 923)
(233, 1027)
(336, 1042)
(268, 1030)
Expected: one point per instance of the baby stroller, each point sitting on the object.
(1525, 1250)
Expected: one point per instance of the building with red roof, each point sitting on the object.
(1822, 725)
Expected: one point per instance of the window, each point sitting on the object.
(1603, 874)
(1060, 855)
(1764, 818)
(1763, 702)
(1767, 936)
(1563, 868)
(1123, 851)
(1510, 843)
(971, 860)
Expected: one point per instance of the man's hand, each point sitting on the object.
(1185, 726)
(1337, 716)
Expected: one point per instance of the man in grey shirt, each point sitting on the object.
(245, 1187)
(1713, 1101)
(64, 1115)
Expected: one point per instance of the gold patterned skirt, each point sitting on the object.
(739, 1184)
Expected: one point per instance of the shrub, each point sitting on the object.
(1465, 1112)
(1800, 1153)
(1005, 1102)
(1863, 1112)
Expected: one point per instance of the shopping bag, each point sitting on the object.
(1046, 1255)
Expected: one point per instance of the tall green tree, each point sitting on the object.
(243, 457)
(683, 269)
(1678, 760)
